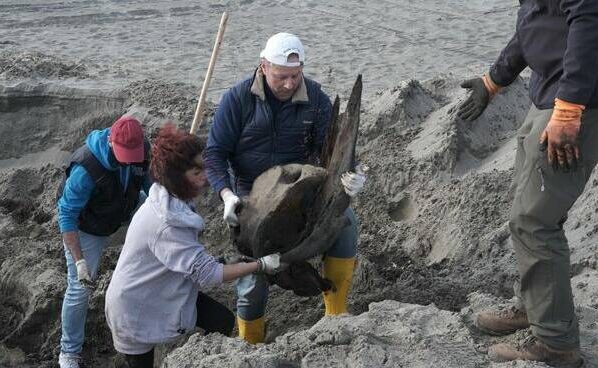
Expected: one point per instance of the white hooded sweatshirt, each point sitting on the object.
(152, 296)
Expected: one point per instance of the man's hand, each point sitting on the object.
(482, 91)
(231, 202)
(270, 264)
(83, 274)
(560, 138)
(353, 182)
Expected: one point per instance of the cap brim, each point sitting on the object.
(128, 155)
(283, 62)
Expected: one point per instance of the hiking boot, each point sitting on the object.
(502, 322)
(69, 360)
(535, 350)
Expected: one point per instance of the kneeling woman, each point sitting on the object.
(154, 295)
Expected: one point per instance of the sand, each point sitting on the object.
(388, 40)
(434, 242)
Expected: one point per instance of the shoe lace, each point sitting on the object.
(510, 313)
(527, 341)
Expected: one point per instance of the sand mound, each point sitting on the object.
(32, 64)
(47, 122)
(433, 231)
(389, 334)
(46, 119)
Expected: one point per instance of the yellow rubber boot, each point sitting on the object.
(340, 272)
(251, 331)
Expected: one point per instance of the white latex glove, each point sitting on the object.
(353, 181)
(83, 274)
(270, 264)
(231, 202)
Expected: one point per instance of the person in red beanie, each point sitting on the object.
(99, 193)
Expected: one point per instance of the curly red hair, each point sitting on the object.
(173, 153)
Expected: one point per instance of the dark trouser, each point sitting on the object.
(541, 201)
(211, 317)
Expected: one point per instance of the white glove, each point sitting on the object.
(270, 264)
(231, 202)
(83, 274)
(353, 181)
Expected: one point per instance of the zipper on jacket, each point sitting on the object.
(273, 127)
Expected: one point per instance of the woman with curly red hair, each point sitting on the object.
(154, 295)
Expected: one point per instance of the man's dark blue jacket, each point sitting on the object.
(558, 40)
(248, 138)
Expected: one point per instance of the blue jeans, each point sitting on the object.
(74, 305)
(76, 297)
(252, 290)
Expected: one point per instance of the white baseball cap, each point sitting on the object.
(280, 46)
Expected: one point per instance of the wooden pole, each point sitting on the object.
(200, 110)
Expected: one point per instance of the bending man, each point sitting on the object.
(275, 117)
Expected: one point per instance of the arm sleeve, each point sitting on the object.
(76, 193)
(177, 249)
(509, 65)
(222, 141)
(580, 62)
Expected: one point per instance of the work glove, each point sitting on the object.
(560, 138)
(231, 202)
(270, 264)
(353, 182)
(482, 91)
(83, 274)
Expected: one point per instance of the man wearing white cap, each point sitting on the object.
(276, 117)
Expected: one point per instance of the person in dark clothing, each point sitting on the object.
(556, 153)
(100, 192)
(276, 117)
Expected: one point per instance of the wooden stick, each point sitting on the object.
(200, 110)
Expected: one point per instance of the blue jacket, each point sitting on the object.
(558, 40)
(79, 185)
(245, 137)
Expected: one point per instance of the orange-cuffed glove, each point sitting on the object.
(482, 91)
(491, 87)
(560, 138)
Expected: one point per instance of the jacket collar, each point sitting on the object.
(257, 88)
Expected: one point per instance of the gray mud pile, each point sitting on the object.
(434, 242)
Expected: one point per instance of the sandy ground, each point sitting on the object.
(434, 241)
(386, 40)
